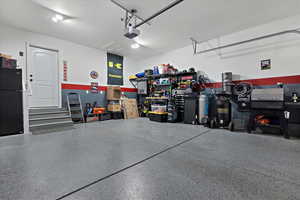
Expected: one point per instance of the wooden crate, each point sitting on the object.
(5, 56)
(130, 108)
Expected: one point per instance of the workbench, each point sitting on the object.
(283, 123)
(294, 118)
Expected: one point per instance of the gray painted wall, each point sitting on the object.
(88, 97)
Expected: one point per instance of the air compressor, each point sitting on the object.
(220, 111)
(223, 106)
(203, 109)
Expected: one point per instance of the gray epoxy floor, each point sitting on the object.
(213, 165)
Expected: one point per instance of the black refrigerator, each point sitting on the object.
(11, 102)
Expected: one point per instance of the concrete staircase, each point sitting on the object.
(50, 119)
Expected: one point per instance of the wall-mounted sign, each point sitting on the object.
(65, 63)
(114, 69)
(94, 87)
(265, 64)
(94, 74)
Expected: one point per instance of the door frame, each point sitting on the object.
(59, 67)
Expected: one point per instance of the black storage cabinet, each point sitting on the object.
(11, 104)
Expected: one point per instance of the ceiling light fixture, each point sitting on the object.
(135, 46)
(57, 18)
(54, 19)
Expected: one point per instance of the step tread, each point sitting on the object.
(46, 107)
(50, 124)
(49, 118)
(50, 113)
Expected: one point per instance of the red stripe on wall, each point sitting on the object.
(255, 82)
(214, 85)
(65, 86)
(264, 81)
(75, 87)
(129, 89)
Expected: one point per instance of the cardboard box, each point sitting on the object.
(114, 107)
(8, 63)
(5, 56)
(113, 93)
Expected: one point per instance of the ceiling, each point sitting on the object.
(96, 23)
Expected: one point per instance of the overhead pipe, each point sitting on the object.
(295, 31)
(159, 13)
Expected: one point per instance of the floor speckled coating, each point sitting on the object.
(212, 165)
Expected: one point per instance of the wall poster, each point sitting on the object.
(65, 63)
(265, 64)
(114, 69)
(94, 87)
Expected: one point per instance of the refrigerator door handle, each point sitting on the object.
(29, 88)
(24, 86)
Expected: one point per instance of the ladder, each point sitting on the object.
(75, 107)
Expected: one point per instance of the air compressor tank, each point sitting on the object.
(223, 108)
(203, 109)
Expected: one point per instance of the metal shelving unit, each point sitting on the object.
(155, 77)
(169, 99)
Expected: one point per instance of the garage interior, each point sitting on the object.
(161, 99)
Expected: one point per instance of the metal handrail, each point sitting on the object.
(295, 31)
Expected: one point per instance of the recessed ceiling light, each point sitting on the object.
(54, 19)
(59, 17)
(135, 46)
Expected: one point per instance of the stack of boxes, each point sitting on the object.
(6, 62)
(113, 97)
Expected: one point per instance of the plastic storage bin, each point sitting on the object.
(158, 108)
(158, 117)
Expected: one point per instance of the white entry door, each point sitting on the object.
(43, 77)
